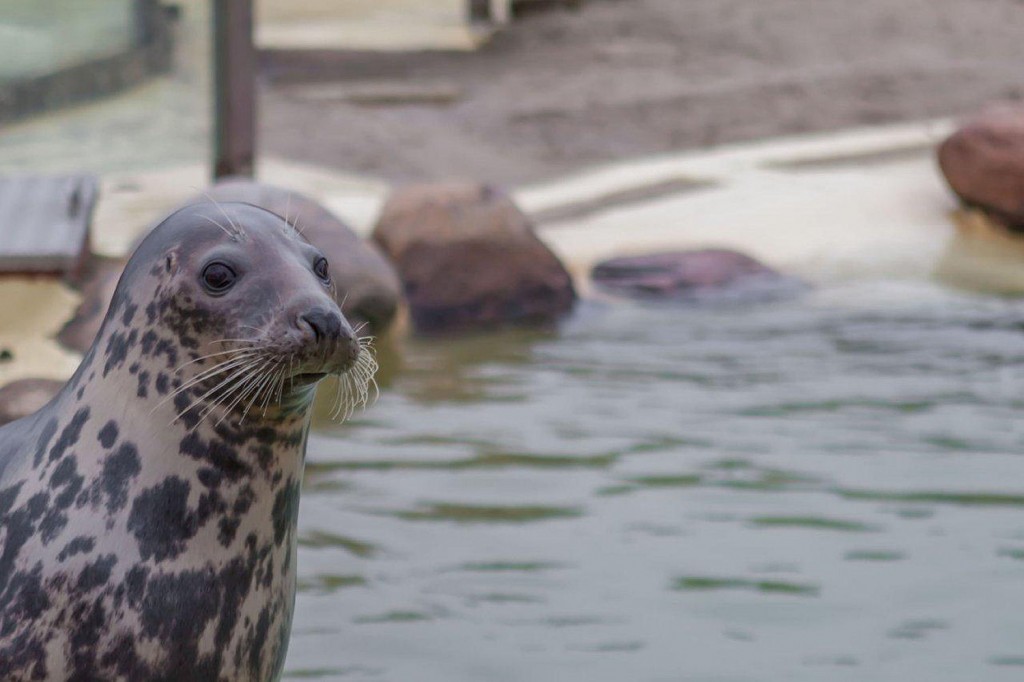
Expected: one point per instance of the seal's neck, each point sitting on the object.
(242, 474)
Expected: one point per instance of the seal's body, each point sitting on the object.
(148, 513)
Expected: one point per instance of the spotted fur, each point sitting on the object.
(139, 541)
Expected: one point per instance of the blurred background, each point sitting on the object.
(403, 89)
(749, 407)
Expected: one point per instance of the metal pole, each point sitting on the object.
(142, 17)
(234, 84)
(478, 11)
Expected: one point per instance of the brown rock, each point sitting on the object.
(707, 275)
(368, 289)
(469, 258)
(97, 289)
(23, 397)
(983, 162)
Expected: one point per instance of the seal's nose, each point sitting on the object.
(326, 325)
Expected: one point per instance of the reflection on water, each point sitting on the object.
(830, 489)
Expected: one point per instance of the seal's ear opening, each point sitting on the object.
(171, 262)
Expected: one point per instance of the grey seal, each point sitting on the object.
(148, 512)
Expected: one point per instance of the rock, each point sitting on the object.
(23, 397)
(97, 289)
(468, 258)
(707, 275)
(367, 287)
(983, 162)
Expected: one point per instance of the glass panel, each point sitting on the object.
(43, 36)
(103, 86)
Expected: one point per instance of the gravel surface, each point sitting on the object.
(561, 90)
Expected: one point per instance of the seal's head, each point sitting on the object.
(241, 304)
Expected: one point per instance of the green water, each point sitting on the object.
(827, 489)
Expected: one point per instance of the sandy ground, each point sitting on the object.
(561, 90)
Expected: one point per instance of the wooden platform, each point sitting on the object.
(44, 222)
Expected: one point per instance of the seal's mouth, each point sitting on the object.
(307, 378)
(254, 377)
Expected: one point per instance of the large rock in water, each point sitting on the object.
(368, 289)
(983, 162)
(23, 397)
(469, 258)
(707, 275)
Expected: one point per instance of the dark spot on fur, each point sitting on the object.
(209, 477)
(96, 573)
(244, 501)
(51, 525)
(108, 434)
(264, 456)
(227, 528)
(161, 519)
(149, 340)
(217, 453)
(169, 349)
(66, 475)
(142, 391)
(129, 313)
(118, 346)
(118, 470)
(177, 608)
(69, 436)
(259, 641)
(78, 545)
(286, 509)
(135, 580)
(189, 415)
(36, 505)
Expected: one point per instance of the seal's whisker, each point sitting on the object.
(226, 230)
(273, 388)
(280, 386)
(251, 342)
(231, 383)
(257, 388)
(242, 391)
(262, 386)
(237, 229)
(240, 385)
(227, 365)
(354, 384)
(233, 351)
(247, 351)
(249, 394)
(233, 380)
(343, 410)
(337, 400)
(240, 354)
(295, 223)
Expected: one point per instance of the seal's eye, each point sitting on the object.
(321, 270)
(218, 277)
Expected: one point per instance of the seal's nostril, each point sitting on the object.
(326, 325)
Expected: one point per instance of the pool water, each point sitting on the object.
(830, 488)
